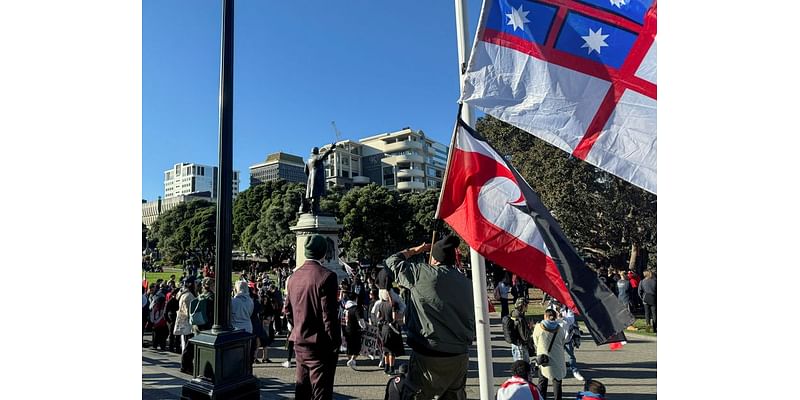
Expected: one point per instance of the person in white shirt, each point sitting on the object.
(572, 336)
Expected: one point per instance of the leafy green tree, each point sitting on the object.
(604, 217)
(247, 207)
(417, 210)
(270, 236)
(144, 236)
(373, 224)
(330, 203)
(187, 231)
(203, 234)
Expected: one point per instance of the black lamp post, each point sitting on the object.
(222, 364)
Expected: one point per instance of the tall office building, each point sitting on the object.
(279, 165)
(189, 178)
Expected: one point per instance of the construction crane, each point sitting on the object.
(336, 130)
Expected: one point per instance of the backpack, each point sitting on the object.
(197, 311)
(509, 330)
(394, 387)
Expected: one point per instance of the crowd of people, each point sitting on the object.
(639, 295)
(426, 300)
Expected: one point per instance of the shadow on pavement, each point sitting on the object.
(164, 364)
(634, 370)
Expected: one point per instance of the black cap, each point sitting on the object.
(316, 246)
(444, 250)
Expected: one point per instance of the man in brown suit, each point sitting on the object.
(312, 304)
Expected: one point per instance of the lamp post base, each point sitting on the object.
(222, 368)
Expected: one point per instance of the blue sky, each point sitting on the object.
(371, 66)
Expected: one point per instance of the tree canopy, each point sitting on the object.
(607, 219)
(188, 231)
(271, 236)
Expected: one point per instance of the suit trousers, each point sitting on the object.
(314, 374)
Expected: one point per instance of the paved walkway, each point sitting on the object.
(629, 374)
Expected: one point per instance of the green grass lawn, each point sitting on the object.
(152, 277)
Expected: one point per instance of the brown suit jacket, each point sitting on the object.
(313, 306)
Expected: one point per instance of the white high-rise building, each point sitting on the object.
(405, 160)
(189, 178)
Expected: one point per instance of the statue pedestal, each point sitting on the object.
(309, 224)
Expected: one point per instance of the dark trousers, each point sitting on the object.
(543, 387)
(173, 342)
(650, 312)
(160, 337)
(503, 307)
(429, 377)
(314, 374)
(187, 357)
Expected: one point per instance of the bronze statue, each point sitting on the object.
(315, 185)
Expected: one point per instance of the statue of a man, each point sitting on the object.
(315, 186)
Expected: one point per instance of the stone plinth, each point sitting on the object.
(325, 225)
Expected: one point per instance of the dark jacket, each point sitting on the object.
(172, 308)
(523, 328)
(385, 278)
(624, 291)
(648, 287)
(311, 304)
(209, 311)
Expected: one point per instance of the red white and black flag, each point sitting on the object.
(488, 203)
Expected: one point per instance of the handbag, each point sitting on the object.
(543, 359)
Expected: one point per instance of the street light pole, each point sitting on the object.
(222, 357)
(225, 184)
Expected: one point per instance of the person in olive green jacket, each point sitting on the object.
(440, 321)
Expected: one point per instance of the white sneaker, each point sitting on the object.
(286, 364)
(577, 375)
(351, 364)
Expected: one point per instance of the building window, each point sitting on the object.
(388, 176)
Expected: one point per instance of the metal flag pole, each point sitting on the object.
(478, 263)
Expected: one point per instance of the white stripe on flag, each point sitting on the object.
(554, 103)
(647, 70)
(627, 145)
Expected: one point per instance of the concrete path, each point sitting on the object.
(629, 374)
